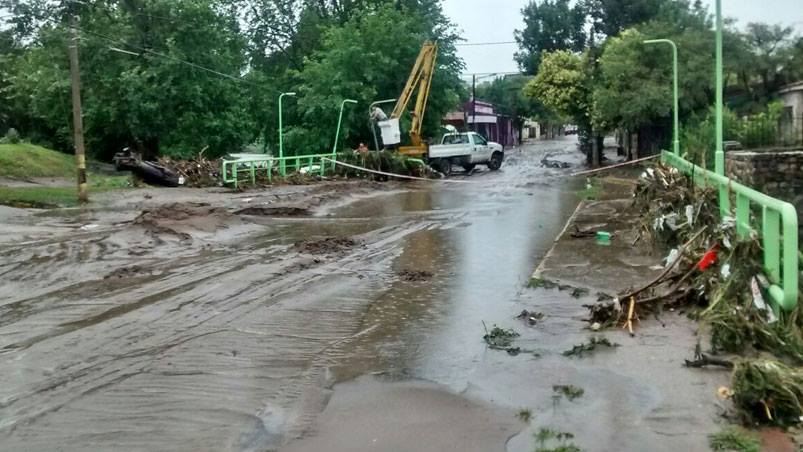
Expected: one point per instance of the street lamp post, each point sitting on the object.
(281, 134)
(675, 94)
(340, 121)
(719, 156)
(337, 133)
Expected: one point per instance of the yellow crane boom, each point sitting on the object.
(420, 78)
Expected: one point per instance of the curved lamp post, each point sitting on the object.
(675, 122)
(340, 121)
(281, 134)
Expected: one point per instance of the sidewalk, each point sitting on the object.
(638, 395)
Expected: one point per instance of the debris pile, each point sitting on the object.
(717, 277)
(768, 392)
(198, 172)
(385, 161)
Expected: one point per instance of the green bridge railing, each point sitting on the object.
(231, 170)
(778, 229)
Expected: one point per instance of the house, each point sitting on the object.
(482, 117)
(791, 123)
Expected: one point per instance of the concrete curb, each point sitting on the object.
(540, 268)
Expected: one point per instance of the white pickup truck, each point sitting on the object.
(466, 150)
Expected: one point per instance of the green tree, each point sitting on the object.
(634, 89)
(549, 26)
(767, 44)
(368, 58)
(138, 88)
(610, 17)
(563, 85)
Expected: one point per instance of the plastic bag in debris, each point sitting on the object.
(758, 300)
(690, 215)
(672, 257)
(669, 221)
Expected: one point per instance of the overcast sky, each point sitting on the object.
(495, 20)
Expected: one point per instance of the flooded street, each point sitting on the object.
(209, 329)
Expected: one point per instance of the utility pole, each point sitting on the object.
(474, 103)
(78, 122)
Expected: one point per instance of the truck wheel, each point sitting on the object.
(496, 161)
(468, 167)
(445, 167)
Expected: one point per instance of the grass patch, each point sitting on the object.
(24, 160)
(549, 440)
(586, 348)
(39, 197)
(571, 392)
(735, 439)
(525, 415)
(50, 197)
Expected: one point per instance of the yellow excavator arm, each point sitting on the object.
(421, 78)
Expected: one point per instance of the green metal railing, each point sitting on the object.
(252, 167)
(778, 229)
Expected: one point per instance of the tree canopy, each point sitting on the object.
(549, 26)
(177, 77)
(619, 83)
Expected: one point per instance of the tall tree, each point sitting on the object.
(362, 61)
(548, 26)
(767, 44)
(562, 85)
(161, 75)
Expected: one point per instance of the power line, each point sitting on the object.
(470, 74)
(497, 43)
(162, 55)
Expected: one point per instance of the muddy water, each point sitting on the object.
(225, 337)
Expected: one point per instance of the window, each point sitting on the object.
(480, 140)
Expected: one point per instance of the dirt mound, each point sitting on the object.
(329, 245)
(415, 275)
(274, 211)
(175, 218)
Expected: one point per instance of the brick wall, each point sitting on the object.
(775, 172)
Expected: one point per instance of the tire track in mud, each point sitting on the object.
(219, 352)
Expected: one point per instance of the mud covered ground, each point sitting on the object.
(213, 320)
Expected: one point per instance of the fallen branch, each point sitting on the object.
(662, 277)
(703, 360)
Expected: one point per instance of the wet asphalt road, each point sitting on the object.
(234, 339)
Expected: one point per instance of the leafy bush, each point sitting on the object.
(12, 136)
(753, 131)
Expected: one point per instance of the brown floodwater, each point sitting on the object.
(221, 332)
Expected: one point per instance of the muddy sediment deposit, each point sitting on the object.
(328, 245)
(275, 211)
(415, 275)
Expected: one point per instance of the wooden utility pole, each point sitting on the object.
(77, 116)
